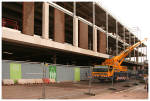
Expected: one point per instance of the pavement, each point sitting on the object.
(137, 92)
(75, 91)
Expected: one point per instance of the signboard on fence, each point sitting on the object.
(15, 71)
(52, 73)
(77, 74)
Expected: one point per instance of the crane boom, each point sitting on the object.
(120, 58)
(111, 68)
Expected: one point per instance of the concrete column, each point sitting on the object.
(83, 36)
(45, 21)
(75, 31)
(103, 42)
(59, 26)
(28, 18)
(94, 39)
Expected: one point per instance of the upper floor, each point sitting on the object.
(81, 24)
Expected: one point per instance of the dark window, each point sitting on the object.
(110, 68)
(66, 5)
(38, 18)
(51, 22)
(85, 10)
(90, 37)
(68, 29)
(12, 15)
(100, 70)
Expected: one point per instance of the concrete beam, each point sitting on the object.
(45, 21)
(75, 31)
(94, 39)
(28, 18)
(59, 26)
(16, 36)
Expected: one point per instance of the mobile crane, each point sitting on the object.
(111, 68)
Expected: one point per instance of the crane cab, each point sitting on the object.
(108, 72)
(101, 72)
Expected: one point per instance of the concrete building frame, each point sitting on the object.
(46, 42)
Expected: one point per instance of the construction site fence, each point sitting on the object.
(24, 72)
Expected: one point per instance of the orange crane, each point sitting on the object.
(112, 67)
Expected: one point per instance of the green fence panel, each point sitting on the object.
(77, 74)
(15, 71)
(52, 72)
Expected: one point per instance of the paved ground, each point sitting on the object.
(75, 91)
(132, 93)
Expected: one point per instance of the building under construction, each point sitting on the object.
(67, 33)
